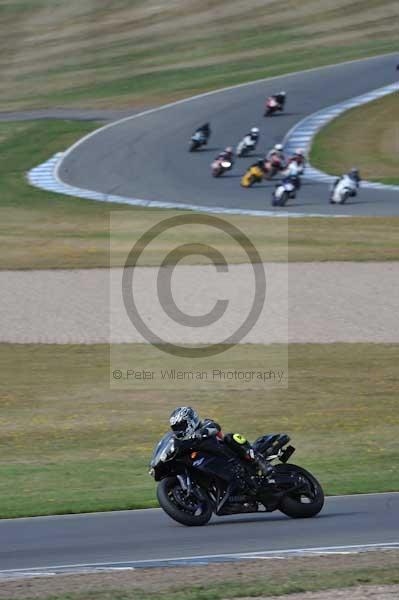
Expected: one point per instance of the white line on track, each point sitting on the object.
(303, 133)
(205, 559)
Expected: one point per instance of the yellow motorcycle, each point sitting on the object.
(253, 175)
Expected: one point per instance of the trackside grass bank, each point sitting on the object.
(349, 576)
(120, 53)
(367, 136)
(41, 230)
(70, 443)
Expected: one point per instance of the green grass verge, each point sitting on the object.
(367, 136)
(40, 230)
(69, 442)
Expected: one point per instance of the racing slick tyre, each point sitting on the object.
(302, 505)
(283, 200)
(345, 197)
(192, 510)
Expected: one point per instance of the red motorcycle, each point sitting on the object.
(272, 106)
(220, 166)
(273, 166)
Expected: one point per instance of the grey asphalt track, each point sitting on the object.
(150, 534)
(146, 157)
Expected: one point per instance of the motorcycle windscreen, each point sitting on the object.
(162, 445)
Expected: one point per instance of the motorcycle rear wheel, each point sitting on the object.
(301, 506)
(171, 499)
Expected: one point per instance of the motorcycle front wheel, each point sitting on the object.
(191, 510)
(283, 199)
(306, 504)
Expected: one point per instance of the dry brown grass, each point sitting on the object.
(364, 568)
(79, 46)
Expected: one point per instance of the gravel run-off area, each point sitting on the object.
(305, 303)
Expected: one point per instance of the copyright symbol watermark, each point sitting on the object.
(152, 329)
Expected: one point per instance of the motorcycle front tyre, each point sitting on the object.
(178, 514)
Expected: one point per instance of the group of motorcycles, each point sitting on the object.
(262, 169)
(291, 171)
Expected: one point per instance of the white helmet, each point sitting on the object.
(255, 130)
(300, 151)
(282, 93)
(278, 147)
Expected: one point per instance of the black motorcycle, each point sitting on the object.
(198, 139)
(194, 484)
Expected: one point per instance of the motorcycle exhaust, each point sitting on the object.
(287, 453)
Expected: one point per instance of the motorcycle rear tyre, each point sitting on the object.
(294, 508)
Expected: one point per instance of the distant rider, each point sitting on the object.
(249, 141)
(276, 152)
(280, 98)
(226, 154)
(298, 157)
(206, 435)
(354, 175)
(204, 130)
(254, 134)
(260, 164)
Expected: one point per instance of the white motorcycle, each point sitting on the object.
(284, 191)
(345, 188)
(246, 145)
(289, 185)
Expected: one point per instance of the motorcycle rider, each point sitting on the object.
(249, 141)
(296, 166)
(204, 130)
(207, 435)
(260, 164)
(280, 98)
(276, 152)
(354, 175)
(226, 154)
(254, 134)
(299, 158)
